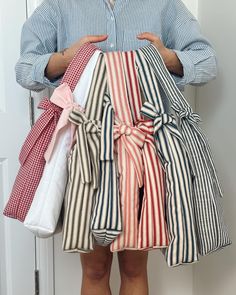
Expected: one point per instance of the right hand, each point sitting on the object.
(70, 52)
(59, 61)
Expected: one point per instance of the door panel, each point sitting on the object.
(16, 243)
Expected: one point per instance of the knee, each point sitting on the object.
(133, 264)
(96, 271)
(131, 271)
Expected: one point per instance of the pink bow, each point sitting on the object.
(62, 97)
(133, 140)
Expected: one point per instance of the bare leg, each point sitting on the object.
(96, 268)
(133, 271)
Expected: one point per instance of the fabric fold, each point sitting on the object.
(88, 146)
(32, 162)
(35, 146)
(83, 200)
(152, 228)
(212, 233)
(106, 222)
(62, 97)
(178, 173)
(43, 216)
(128, 142)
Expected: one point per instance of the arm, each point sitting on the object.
(187, 54)
(192, 49)
(38, 43)
(40, 66)
(59, 61)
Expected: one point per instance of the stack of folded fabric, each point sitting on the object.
(120, 169)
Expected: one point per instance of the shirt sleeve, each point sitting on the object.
(193, 50)
(38, 43)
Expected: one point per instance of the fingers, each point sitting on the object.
(148, 36)
(71, 51)
(95, 38)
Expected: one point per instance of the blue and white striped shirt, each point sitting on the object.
(56, 24)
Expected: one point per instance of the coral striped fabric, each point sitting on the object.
(32, 153)
(152, 230)
(129, 141)
(208, 212)
(178, 171)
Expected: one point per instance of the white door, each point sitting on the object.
(16, 243)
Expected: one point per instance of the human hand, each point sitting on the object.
(70, 52)
(156, 41)
(170, 58)
(59, 61)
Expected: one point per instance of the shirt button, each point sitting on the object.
(111, 45)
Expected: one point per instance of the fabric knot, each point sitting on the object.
(162, 119)
(146, 126)
(107, 138)
(125, 130)
(133, 140)
(190, 115)
(45, 104)
(88, 136)
(162, 122)
(63, 98)
(159, 119)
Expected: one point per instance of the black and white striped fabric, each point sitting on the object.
(92, 206)
(84, 168)
(106, 217)
(212, 232)
(178, 171)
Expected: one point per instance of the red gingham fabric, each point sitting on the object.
(32, 153)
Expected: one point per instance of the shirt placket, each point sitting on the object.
(111, 26)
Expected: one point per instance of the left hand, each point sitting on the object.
(156, 41)
(170, 58)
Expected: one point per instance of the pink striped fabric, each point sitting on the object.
(129, 141)
(32, 153)
(152, 230)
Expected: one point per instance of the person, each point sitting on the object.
(50, 38)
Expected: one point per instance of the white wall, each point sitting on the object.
(192, 6)
(216, 102)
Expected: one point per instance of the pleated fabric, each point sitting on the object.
(32, 152)
(178, 171)
(152, 229)
(129, 141)
(89, 185)
(212, 232)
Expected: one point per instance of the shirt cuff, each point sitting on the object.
(38, 72)
(188, 70)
